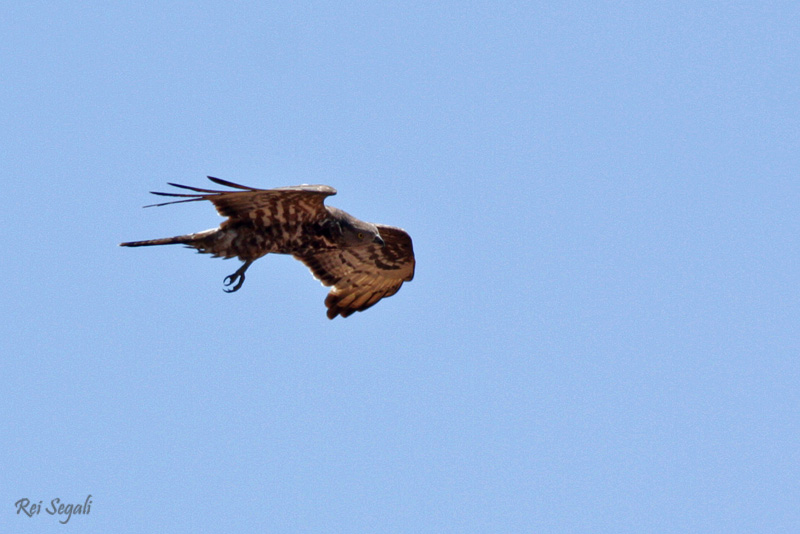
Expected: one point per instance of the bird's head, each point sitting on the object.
(357, 233)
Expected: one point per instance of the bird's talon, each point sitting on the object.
(237, 278)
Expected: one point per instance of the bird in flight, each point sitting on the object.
(363, 262)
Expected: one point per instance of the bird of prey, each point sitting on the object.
(364, 262)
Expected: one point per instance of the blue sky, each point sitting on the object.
(602, 332)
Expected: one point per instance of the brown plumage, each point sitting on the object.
(363, 262)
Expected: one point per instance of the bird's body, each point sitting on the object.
(363, 262)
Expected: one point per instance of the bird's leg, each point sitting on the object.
(237, 277)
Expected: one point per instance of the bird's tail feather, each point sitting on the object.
(188, 239)
(163, 241)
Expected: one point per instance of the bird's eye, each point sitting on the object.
(360, 235)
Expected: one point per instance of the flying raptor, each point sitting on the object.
(363, 262)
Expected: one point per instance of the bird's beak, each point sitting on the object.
(379, 240)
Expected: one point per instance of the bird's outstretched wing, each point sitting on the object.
(361, 276)
(301, 203)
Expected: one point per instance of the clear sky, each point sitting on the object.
(602, 334)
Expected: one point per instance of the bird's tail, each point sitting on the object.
(192, 240)
(150, 242)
